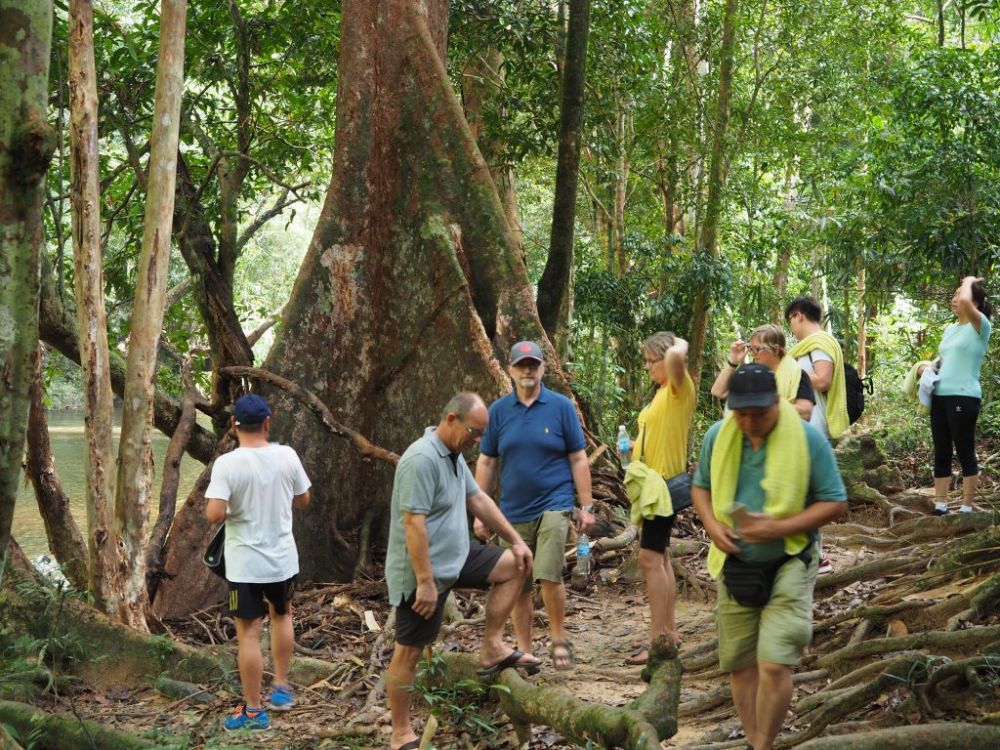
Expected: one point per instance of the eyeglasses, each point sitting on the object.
(473, 431)
(758, 349)
(652, 361)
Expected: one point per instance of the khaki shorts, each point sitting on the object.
(546, 536)
(779, 631)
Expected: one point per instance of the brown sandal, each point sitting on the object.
(569, 660)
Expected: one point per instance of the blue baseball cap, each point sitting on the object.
(251, 409)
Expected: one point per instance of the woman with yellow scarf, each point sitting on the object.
(767, 345)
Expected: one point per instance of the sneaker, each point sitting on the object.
(939, 512)
(281, 698)
(245, 718)
(825, 566)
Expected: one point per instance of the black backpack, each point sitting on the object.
(856, 388)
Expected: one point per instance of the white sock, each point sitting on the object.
(965, 509)
(940, 506)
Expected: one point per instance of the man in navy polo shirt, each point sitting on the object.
(535, 439)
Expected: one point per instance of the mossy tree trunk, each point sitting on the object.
(26, 145)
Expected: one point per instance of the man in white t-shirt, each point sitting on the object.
(253, 489)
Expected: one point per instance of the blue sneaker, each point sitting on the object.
(281, 698)
(246, 718)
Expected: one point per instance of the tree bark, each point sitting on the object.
(944, 736)
(63, 534)
(553, 287)
(708, 236)
(135, 456)
(412, 282)
(85, 201)
(26, 146)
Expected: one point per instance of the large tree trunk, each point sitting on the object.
(85, 200)
(64, 537)
(26, 145)
(412, 282)
(708, 236)
(554, 286)
(135, 455)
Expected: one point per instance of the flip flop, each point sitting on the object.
(513, 659)
(411, 745)
(569, 659)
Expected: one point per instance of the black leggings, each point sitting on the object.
(953, 422)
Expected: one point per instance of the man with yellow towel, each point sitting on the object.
(820, 357)
(765, 483)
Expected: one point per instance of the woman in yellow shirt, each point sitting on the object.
(662, 444)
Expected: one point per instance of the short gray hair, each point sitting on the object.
(461, 404)
(658, 343)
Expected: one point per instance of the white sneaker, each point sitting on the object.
(825, 566)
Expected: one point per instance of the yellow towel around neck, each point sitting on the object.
(837, 420)
(788, 376)
(786, 476)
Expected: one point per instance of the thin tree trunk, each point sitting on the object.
(553, 287)
(708, 235)
(26, 146)
(135, 456)
(622, 168)
(85, 202)
(862, 361)
(63, 534)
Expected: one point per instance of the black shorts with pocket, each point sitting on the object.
(414, 630)
(246, 600)
(655, 534)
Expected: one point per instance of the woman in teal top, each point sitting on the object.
(957, 395)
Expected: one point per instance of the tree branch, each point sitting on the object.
(313, 402)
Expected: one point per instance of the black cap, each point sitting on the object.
(752, 387)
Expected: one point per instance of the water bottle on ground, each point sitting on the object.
(582, 556)
(624, 444)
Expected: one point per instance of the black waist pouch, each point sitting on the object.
(751, 583)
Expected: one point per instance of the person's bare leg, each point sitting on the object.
(554, 596)
(671, 610)
(249, 659)
(743, 683)
(282, 644)
(524, 611)
(774, 696)
(969, 487)
(654, 567)
(399, 678)
(507, 583)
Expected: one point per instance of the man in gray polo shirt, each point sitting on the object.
(430, 552)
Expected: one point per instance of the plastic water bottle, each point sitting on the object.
(624, 443)
(582, 556)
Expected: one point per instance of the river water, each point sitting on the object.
(69, 450)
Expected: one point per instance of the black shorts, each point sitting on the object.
(414, 630)
(246, 600)
(655, 533)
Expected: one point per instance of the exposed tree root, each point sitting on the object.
(869, 571)
(962, 641)
(641, 726)
(943, 736)
(51, 731)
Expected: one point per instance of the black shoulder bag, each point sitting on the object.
(679, 485)
(215, 557)
(751, 583)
